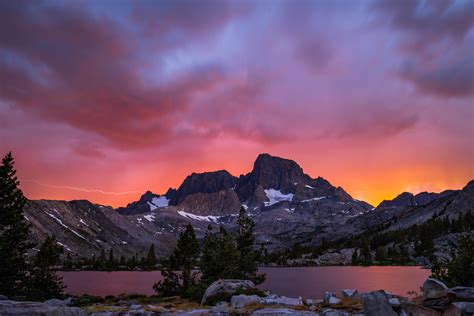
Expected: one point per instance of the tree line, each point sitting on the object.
(385, 247)
(190, 269)
(22, 277)
(222, 255)
(108, 261)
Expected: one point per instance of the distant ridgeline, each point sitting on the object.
(299, 220)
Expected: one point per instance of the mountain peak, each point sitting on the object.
(206, 182)
(270, 172)
(266, 159)
(409, 199)
(140, 206)
(275, 172)
(469, 186)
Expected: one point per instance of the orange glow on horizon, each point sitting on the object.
(373, 190)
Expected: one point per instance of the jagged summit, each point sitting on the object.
(279, 177)
(409, 199)
(207, 182)
(469, 186)
(288, 207)
(271, 180)
(147, 202)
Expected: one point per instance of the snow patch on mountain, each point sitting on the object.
(65, 226)
(150, 218)
(314, 199)
(63, 245)
(82, 222)
(58, 220)
(157, 202)
(207, 218)
(276, 196)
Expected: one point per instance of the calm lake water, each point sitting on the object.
(310, 282)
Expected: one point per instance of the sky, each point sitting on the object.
(103, 100)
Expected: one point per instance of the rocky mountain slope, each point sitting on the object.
(422, 231)
(395, 214)
(288, 206)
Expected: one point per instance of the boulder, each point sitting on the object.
(332, 312)
(463, 293)
(459, 309)
(220, 310)
(240, 301)
(282, 300)
(376, 304)
(229, 286)
(311, 302)
(282, 312)
(193, 312)
(437, 303)
(349, 293)
(417, 310)
(56, 302)
(470, 308)
(13, 308)
(328, 295)
(433, 288)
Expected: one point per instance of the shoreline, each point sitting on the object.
(223, 298)
(265, 266)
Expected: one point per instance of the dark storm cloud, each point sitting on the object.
(68, 66)
(437, 40)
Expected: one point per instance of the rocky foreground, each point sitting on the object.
(221, 298)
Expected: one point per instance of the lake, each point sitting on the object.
(310, 282)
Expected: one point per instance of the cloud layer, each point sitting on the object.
(128, 96)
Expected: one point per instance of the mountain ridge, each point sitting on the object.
(288, 207)
(269, 172)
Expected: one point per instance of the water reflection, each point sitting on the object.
(309, 282)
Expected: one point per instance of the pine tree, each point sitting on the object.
(68, 264)
(151, 260)
(365, 255)
(93, 262)
(122, 261)
(380, 253)
(247, 263)
(111, 264)
(460, 271)
(132, 262)
(101, 262)
(44, 283)
(219, 257)
(210, 259)
(355, 258)
(404, 256)
(178, 276)
(14, 242)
